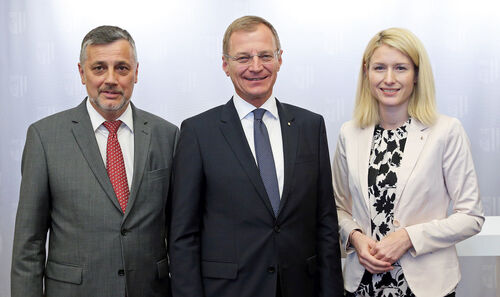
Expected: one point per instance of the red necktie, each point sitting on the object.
(115, 164)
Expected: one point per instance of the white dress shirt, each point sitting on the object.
(272, 121)
(125, 137)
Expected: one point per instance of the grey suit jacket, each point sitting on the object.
(94, 249)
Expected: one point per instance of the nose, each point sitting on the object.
(255, 64)
(389, 77)
(110, 77)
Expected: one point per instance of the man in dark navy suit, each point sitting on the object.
(253, 213)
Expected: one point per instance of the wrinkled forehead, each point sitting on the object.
(258, 38)
(119, 50)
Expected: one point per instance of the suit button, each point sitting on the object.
(121, 272)
(124, 232)
(277, 229)
(271, 269)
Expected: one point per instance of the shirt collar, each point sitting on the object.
(97, 119)
(243, 108)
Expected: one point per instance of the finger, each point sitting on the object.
(375, 268)
(381, 254)
(391, 258)
(380, 264)
(374, 265)
(371, 243)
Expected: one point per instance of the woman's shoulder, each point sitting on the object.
(350, 127)
(448, 127)
(447, 122)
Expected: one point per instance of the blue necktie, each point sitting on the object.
(265, 159)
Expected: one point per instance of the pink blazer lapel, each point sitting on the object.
(415, 142)
(364, 146)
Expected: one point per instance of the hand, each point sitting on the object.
(363, 245)
(392, 247)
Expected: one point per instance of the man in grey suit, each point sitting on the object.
(96, 177)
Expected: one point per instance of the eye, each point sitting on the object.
(378, 67)
(401, 68)
(242, 59)
(98, 68)
(266, 57)
(122, 68)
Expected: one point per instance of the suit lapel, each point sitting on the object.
(85, 138)
(415, 141)
(142, 139)
(232, 130)
(364, 144)
(290, 136)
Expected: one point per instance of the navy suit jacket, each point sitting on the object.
(225, 240)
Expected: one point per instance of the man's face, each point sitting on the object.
(109, 73)
(254, 81)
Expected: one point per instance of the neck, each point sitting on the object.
(109, 115)
(392, 119)
(257, 102)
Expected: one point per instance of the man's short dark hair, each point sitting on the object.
(105, 35)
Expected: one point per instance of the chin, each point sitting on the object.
(114, 105)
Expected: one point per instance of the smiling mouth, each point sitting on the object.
(255, 78)
(389, 91)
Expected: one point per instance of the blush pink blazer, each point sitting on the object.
(436, 171)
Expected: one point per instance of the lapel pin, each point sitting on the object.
(289, 124)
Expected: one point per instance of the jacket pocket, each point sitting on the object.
(312, 264)
(64, 273)
(158, 174)
(219, 270)
(162, 266)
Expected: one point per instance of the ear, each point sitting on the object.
(225, 65)
(136, 72)
(279, 60)
(80, 70)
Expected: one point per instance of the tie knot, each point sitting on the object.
(112, 126)
(258, 113)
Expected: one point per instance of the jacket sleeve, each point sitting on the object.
(343, 197)
(330, 270)
(32, 221)
(168, 208)
(185, 219)
(462, 187)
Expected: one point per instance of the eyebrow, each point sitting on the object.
(105, 63)
(381, 63)
(259, 52)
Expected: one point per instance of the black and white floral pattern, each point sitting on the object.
(386, 154)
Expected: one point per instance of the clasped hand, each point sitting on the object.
(378, 257)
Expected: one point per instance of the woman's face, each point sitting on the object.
(391, 75)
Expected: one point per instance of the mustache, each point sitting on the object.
(110, 89)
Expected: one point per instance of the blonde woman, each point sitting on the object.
(397, 168)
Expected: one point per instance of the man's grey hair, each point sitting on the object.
(105, 35)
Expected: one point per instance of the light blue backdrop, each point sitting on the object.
(179, 49)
